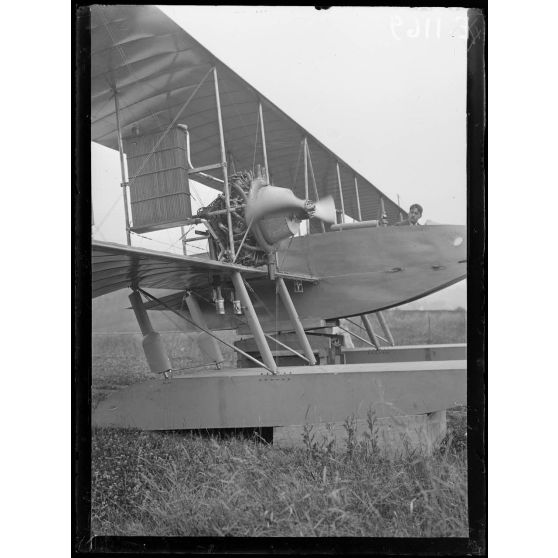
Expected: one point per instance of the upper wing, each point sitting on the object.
(156, 66)
(116, 267)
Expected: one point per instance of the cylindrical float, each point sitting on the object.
(152, 343)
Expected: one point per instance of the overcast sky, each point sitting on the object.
(384, 88)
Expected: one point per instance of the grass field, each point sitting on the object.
(179, 484)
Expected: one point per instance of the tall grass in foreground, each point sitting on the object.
(182, 485)
(146, 483)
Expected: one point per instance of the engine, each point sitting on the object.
(261, 216)
(252, 247)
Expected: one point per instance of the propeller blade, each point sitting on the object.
(325, 210)
(271, 200)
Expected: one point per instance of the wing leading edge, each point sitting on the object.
(116, 267)
(155, 66)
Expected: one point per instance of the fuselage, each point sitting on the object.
(356, 271)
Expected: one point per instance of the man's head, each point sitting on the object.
(415, 213)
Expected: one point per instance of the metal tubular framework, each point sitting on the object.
(295, 320)
(264, 145)
(224, 163)
(124, 184)
(254, 323)
(358, 200)
(340, 194)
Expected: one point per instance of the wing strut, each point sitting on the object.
(224, 163)
(385, 327)
(210, 344)
(123, 184)
(253, 322)
(293, 315)
(369, 330)
(273, 369)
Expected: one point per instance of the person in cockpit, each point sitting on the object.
(415, 213)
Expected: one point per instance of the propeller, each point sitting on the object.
(268, 201)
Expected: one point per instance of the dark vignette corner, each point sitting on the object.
(477, 279)
(81, 279)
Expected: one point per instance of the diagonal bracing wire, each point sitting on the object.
(208, 331)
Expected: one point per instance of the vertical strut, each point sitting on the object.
(183, 238)
(293, 315)
(253, 322)
(232, 162)
(224, 163)
(306, 192)
(369, 330)
(264, 146)
(385, 328)
(358, 200)
(314, 184)
(340, 194)
(208, 344)
(382, 212)
(122, 168)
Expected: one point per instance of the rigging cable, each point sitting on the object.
(201, 250)
(105, 217)
(168, 316)
(148, 157)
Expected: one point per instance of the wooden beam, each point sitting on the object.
(406, 353)
(250, 397)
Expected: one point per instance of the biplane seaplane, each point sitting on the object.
(289, 254)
